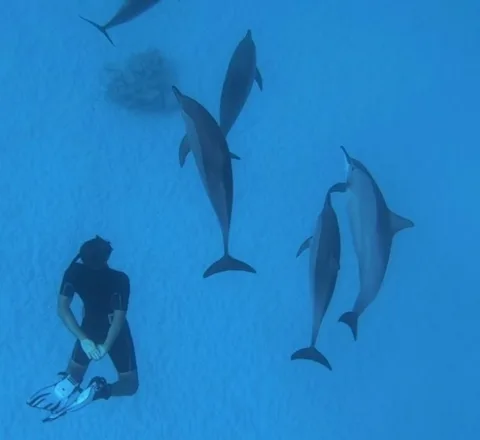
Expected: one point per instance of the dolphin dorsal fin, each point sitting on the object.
(399, 223)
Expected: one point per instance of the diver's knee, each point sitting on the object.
(129, 383)
(132, 387)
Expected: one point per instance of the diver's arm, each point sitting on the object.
(65, 297)
(66, 315)
(120, 306)
(114, 330)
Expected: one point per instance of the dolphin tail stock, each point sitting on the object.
(99, 27)
(228, 263)
(311, 354)
(351, 319)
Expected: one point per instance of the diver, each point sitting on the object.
(104, 330)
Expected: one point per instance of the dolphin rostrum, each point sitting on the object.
(325, 250)
(373, 227)
(210, 150)
(127, 12)
(242, 72)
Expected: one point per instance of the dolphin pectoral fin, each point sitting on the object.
(99, 27)
(228, 263)
(311, 354)
(183, 151)
(399, 223)
(304, 246)
(234, 156)
(351, 319)
(340, 187)
(258, 79)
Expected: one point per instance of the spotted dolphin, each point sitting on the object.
(373, 227)
(242, 72)
(127, 12)
(325, 250)
(212, 157)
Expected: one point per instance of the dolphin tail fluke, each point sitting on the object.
(351, 319)
(311, 354)
(99, 27)
(228, 263)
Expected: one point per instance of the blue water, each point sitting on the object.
(397, 83)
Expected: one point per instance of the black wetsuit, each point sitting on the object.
(101, 291)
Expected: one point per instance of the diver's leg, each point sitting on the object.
(78, 364)
(124, 359)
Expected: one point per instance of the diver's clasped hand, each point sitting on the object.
(93, 351)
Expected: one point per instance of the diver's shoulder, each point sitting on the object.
(118, 274)
(74, 269)
(74, 273)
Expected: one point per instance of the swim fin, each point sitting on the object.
(82, 399)
(55, 397)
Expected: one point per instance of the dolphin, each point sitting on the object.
(373, 227)
(210, 150)
(241, 73)
(127, 12)
(324, 265)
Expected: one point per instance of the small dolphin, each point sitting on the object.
(214, 164)
(373, 227)
(325, 252)
(127, 12)
(241, 73)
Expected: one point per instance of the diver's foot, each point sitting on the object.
(100, 388)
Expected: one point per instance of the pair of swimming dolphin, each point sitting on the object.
(242, 73)
(206, 139)
(127, 12)
(373, 227)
